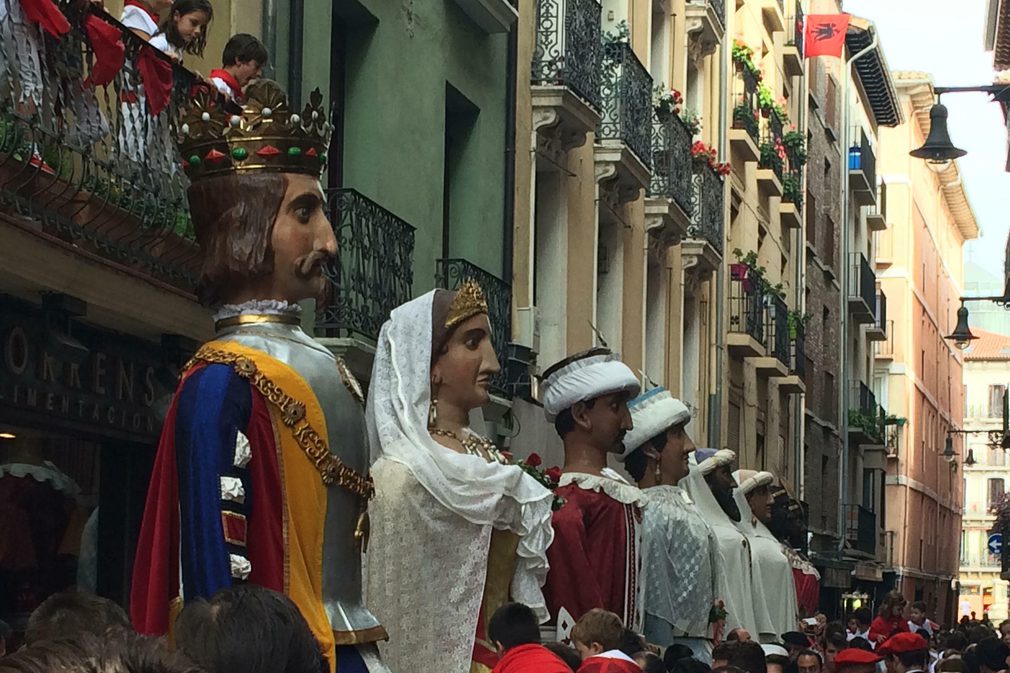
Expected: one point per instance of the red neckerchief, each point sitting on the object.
(228, 79)
(150, 12)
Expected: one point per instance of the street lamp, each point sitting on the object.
(961, 336)
(938, 150)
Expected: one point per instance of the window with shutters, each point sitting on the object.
(996, 401)
(996, 491)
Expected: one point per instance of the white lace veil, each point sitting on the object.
(502, 496)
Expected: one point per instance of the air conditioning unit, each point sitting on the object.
(527, 329)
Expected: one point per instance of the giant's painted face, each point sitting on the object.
(302, 242)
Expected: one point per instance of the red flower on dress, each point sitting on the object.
(534, 460)
(554, 474)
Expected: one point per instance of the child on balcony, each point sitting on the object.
(244, 57)
(143, 16)
(185, 29)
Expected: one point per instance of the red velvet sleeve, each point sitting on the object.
(571, 582)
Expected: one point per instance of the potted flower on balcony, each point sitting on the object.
(794, 319)
(766, 102)
(666, 103)
(743, 116)
(692, 120)
(772, 155)
(796, 147)
(792, 189)
(744, 57)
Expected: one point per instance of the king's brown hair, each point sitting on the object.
(233, 216)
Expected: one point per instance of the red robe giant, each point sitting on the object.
(595, 557)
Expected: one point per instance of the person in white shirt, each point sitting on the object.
(143, 16)
(917, 619)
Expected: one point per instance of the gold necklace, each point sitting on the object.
(257, 319)
(474, 445)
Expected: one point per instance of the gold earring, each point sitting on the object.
(433, 413)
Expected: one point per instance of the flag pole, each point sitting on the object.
(843, 397)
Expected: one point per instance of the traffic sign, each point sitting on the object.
(996, 544)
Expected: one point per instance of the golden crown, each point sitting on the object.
(267, 136)
(468, 302)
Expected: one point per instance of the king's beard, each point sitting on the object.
(725, 499)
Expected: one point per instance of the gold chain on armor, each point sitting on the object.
(330, 467)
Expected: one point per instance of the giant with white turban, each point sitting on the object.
(599, 372)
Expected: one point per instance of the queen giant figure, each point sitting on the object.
(456, 529)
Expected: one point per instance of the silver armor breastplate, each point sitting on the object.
(347, 439)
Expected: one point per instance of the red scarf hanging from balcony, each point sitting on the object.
(156, 73)
(107, 44)
(47, 15)
(825, 34)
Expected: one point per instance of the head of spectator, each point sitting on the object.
(992, 655)
(953, 664)
(795, 643)
(632, 643)
(244, 57)
(893, 605)
(956, 641)
(809, 661)
(738, 633)
(851, 625)
(248, 629)
(905, 652)
(834, 642)
(72, 613)
(117, 652)
(776, 658)
(978, 633)
(859, 643)
(1004, 631)
(675, 652)
(596, 632)
(863, 619)
(686, 665)
(512, 625)
(745, 655)
(856, 660)
(917, 613)
(186, 25)
(650, 663)
(565, 653)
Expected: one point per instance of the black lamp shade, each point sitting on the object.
(938, 148)
(961, 336)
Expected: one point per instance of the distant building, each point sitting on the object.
(986, 372)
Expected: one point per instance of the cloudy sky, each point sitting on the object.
(946, 39)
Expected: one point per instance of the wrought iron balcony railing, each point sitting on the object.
(881, 320)
(861, 529)
(746, 309)
(773, 153)
(568, 48)
(777, 328)
(745, 110)
(672, 162)
(451, 273)
(863, 400)
(89, 162)
(719, 9)
(862, 159)
(799, 350)
(794, 29)
(707, 218)
(373, 272)
(627, 101)
(863, 282)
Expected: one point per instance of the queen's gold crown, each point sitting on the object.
(266, 136)
(468, 302)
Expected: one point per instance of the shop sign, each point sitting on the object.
(109, 384)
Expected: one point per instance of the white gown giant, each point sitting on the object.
(733, 571)
(774, 591)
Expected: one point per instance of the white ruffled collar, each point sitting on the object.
(258, 307)
(608, 481)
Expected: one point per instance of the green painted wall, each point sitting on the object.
(400, 61)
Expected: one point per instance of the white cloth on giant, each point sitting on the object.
(585, 379)
(680, 554)
(433, 513)
(733, 570)
(652, 413)
(774, 590)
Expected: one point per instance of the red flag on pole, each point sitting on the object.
(825, 34)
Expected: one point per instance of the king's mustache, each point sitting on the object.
(307, 265)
